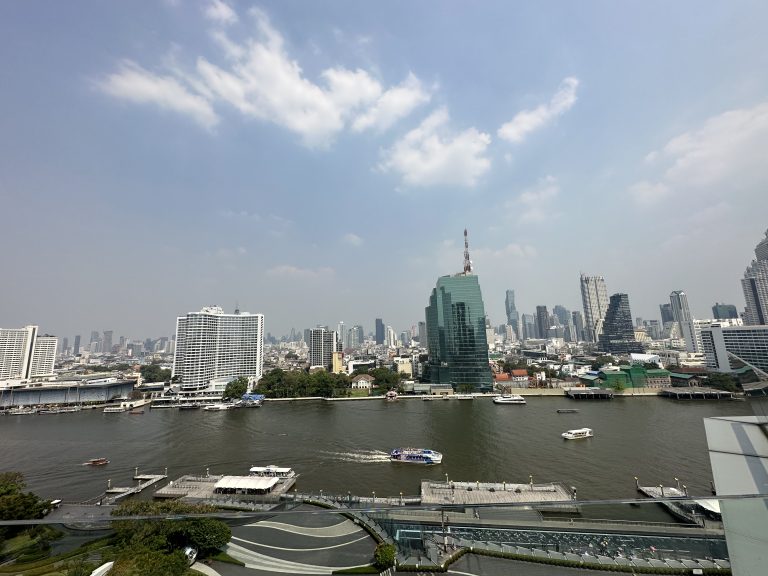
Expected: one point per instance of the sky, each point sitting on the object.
(319, 161)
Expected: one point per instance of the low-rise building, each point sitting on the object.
(362, 382)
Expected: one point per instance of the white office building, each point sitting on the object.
(755, 286)
(748, 344)
(24, 355)
(322, 344)
(214, 346)
(682, 315)
(594, 297)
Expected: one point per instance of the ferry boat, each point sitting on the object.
(22, 411)
(509, 399)
(577, 433)
(96, 462)
(273, 471)
(415, 456)
(567, 410)
(216, 407)
(189, 406)
(114, 409)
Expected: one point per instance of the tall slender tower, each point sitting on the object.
(755, 286)
(513, 316)
(594, 296)
(682, 315)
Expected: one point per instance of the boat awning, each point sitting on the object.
(246, 483)
(270, 470)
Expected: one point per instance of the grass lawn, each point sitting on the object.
(17, 543)
(358, 392)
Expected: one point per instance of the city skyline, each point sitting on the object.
(146, 189)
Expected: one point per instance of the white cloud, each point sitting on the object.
(261, 81)
(392, 105)
(510, 251)
(220, 12)
(535, 204)
(288, 271)
(352, 239)
(239, 214)
(726, 152)
(430, 155)
(134, 83)
(528, 121)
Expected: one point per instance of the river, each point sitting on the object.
(342, 446)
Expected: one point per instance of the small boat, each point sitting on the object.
(189, 406)
(415, 456)
(577, 433)
(464, 397)
(567, 410)
(96, 462)
(114, 409)
(216, 407)
(391, 396)
(22, 411)
(509, 399)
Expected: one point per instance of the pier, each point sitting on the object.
(117, 493)
(666, 495)
(695, 393)
(489, 493)
(589, 393)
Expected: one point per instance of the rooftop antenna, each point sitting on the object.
(237, 307)
(467, 261)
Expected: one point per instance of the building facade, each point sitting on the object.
(747, 343)
(755, 286)
(212, 345)
(25, 355)
(682, 315)
(618, 332)
(594, 297)
(724, 311)
(458, 348)
(380, 334)
(322, 344)
(513, 316)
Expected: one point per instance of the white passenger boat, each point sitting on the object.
(115, 409)
(272, 471)
(509, 399)
(415, 456)
(577, 433)
(464, 397)
(216, 407)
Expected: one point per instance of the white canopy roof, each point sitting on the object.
(246, 483)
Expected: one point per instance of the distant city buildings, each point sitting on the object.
(682, 315)
(724, 311)
(456, 331)
(76, 347)
(594, 297)
(542, 321)
(755, 286)
(618, 332)
(379, 334)
(212, 345)
(25, 355)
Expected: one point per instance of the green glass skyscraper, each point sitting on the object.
(458, 349)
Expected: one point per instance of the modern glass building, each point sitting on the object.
(618, 336)
(458, 348)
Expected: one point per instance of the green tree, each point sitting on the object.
(384, 556)
(722, 381)
(601, 361)
(651, 366)
(236, 388)
(154, 373)
(15, 504)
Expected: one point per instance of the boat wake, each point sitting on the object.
(364, 456)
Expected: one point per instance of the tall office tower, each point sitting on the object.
(214, 346)
(25, 355)
(594, 297)
(341, 335)
(391, 338)
(724, 311)
(529, 326)
(564, 319)
(618, 336)
(405, 338)
(380, 334)
(64, 345)
(682, 315)
(360, 334)
(542, 321)
(755, 286)
(307, 336)
(323, 343)
(423, 334)
(654, 329)
(457, 344)
(666, 313)
(95, 343)
(513, 316)
(639, 322)
(578, 325)
(106, 342)
(76, 347)
(352, 339)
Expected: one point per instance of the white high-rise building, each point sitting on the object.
(322, 344)
(25, 355)
(682, 315)
(212, 345)
(755, 286)
(749, 344)
(594, 296)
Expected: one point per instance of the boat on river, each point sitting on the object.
(96, 462)
(567, 410)
(272, 471)
(115, 409)
(218, 407)
(391, 396)
(415, 456)
(509, 399)
(577, 434)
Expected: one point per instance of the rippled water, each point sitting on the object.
(343, 446)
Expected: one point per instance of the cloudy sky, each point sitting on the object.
(319, 161)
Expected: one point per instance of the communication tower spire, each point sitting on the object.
(467, 261)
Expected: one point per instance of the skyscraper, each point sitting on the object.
(456, 323)
(682, 315)
(323, 343)
(529, 326)
(755, 286)
(24, 354)
(542, 321)
(578, 324)
(594, 297)
(513, 316)
(618, 335)
(64, 345)
(379, 331)
(76, 348)
(666, 313)
(423, 334)
(724, 311)
(212, 345)
(106, 342)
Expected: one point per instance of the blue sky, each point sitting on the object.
(318, 161)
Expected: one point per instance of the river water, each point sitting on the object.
(343, 446)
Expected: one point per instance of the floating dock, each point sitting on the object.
(683, 510)
(589, 393)
(202, 490)
(695, 393)
(117, 493)
(556, 496)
